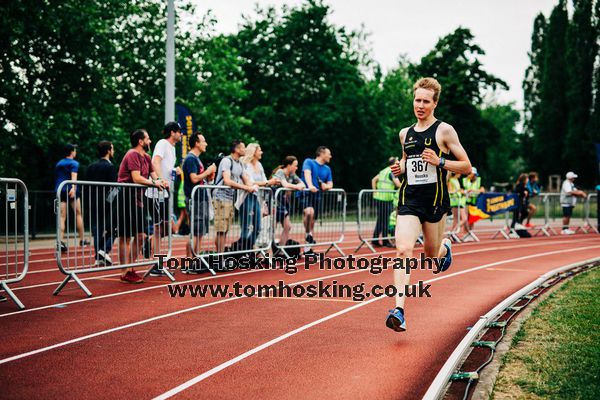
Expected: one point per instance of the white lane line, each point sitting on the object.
(270, 343)
(110, 295)
(148, 320)
(364, 255)
(247, 354)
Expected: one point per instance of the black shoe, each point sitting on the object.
(157, 272)
(146, 248)
(376, 243)
(62, 247)
(309, 239)
(387, 243)
(84, 242)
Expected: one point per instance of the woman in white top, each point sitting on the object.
(250, 210)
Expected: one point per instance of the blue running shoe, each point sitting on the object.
(395, 320)
(448, 258)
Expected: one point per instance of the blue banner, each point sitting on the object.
(188, 126)
(497, 203)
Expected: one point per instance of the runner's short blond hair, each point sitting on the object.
(429, 84)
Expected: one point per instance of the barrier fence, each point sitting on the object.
(103, 226)
(228, 222)
(14, 222)
(553, 214)
(376, 219)
(592, 212)
(300, 213)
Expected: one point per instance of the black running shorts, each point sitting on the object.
(431, 214)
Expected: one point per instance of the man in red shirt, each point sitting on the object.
(136, 167)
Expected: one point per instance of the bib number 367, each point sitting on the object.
(420, 172)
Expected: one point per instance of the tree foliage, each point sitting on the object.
(454, 62)
(81, 72)
(560, 91)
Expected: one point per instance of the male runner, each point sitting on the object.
(424, 202)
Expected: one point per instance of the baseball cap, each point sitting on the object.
(474, 170)
(172, 127)
(571, 175)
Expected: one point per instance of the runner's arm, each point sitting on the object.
(400, 166)
(462, 165)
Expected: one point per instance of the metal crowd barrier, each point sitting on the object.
(591, 213)
(329, 225)
(553, 214)
(109, 213)
(454, 234)
(373, 217)
(14, 221)
(216, 226)
(494, 228)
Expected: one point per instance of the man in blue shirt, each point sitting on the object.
(66, 169)
(316, 176)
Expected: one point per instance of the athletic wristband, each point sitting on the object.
(442, 162)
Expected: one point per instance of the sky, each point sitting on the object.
(502, 28)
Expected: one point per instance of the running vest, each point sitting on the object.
(385, 183)
(472, 185)
(423, 184)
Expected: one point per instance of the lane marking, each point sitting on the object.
(126, 292)
(271, 342)
(287, 335)
(364, 255)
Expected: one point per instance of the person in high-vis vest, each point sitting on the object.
(458, 202)
(472, 186)
(384, 200)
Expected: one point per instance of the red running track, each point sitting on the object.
(138, 342)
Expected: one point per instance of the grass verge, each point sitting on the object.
(556, 353)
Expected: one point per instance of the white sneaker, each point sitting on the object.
(567, 232)
(468, 239)
(105, 257)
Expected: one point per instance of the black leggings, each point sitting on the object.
(384, 209)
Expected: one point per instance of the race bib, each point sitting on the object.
(420, 172)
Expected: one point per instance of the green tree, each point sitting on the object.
(393, 98)
(306, 89)
(531, 90)
(551, 121)
(454, 62)
(503, 159)
(210, 81)
(582, 51)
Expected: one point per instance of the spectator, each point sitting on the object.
(533, 188)
(136, 167)
(66, 169)
(250, 210)
(568, 199)
(163, 164)
(230, 173)
(195, 174)
(316, 176)
(472, 186)
(522, 209)
(384, 201)
(458, 202)
(103, 170)
(286, 175)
